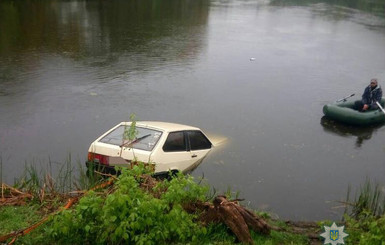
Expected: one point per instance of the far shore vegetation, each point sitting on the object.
(124, 213)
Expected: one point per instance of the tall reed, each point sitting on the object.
(1, 169)
(41, 178)
(370, 200)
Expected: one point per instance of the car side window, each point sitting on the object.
(175, 142)
(198, 141)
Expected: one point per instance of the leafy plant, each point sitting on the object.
(132, 215)
(130, 132)
(367, 229)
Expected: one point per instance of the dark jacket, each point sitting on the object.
(370, 96)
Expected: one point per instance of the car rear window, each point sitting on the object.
(146, 139)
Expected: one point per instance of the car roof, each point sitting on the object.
(163, 126)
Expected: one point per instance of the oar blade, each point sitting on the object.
(379, 106)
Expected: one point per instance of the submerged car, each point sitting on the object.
(167, 147)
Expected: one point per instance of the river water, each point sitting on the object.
(256, 72)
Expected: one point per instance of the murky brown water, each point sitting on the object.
(257, 72)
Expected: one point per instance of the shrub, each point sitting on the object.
(367, 229)
(131, 215)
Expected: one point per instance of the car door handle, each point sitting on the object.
(194, 156)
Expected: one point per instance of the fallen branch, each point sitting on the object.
(233, 215)
(13, 196)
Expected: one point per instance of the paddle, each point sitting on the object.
(379, 106)
(344, 99)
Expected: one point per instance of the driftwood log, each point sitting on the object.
(237, 218)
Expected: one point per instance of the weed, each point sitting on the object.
(369, 200)
(231, 194)
(1, 169)
(365, 215)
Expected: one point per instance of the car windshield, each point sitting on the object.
(146, 139)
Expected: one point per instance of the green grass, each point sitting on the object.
(21, 217)
(16, 218)
(13, 218)
(280, 238)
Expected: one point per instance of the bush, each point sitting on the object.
(131, 215)
(367, 229)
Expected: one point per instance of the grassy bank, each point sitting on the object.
(121, 213)
(128, 213)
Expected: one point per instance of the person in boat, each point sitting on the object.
(372, 93)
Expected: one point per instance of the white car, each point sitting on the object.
(167, 146)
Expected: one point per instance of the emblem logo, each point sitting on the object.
(334, 234)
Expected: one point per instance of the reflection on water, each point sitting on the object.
(77, 25)
(362, 133)
(367, 13)
(103, 31)
(125, 37)
(376, 7)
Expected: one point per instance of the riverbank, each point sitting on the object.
(137, 210)
(14, 218)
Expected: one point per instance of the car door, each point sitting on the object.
(199, 144)
(174, 153)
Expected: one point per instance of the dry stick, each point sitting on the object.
(14, 189)
(42, 194)
(108, 175)
(14, 195)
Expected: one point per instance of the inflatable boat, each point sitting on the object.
(344, 112)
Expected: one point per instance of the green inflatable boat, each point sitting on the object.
(344, 112)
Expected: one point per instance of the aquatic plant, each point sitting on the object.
(369, 200)
(365, 215)
(42, 183)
